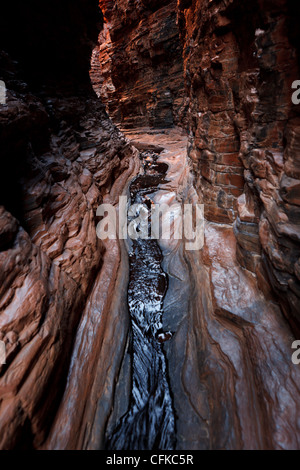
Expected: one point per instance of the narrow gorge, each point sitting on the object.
(132, 343)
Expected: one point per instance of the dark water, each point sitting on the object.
(149, 422)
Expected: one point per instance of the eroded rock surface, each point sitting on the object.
(62, 157)
(141, 68)
(64, 317)
(229, 353)
(240, 61)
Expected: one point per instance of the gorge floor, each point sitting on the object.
(149, 423)
(224, 329)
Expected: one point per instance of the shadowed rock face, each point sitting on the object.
(141, 69)
(64, 318)
(60, 156)
(240, 60)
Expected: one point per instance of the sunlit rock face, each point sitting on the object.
(60, 157)
(240, 60)
(141, 71)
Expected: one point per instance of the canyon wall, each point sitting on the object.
(63, 293)
(229, 360)
(61, 157)
(237, 107)
(140, 61)
(240, 60)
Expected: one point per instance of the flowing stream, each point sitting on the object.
(149, 422)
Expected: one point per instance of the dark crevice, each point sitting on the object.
(149, 422)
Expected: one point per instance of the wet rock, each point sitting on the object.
(149, 421)
(64, 317)
(165, 336)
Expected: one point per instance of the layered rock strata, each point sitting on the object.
(140, 61)
(240, 61)
(64, 318)
(232, 380)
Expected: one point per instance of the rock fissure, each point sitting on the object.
(149, 423)
(146, 344)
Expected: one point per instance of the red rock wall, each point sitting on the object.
(141, 80)
(60, 156)
(232, 379)
(240, 60)
(243, 125)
